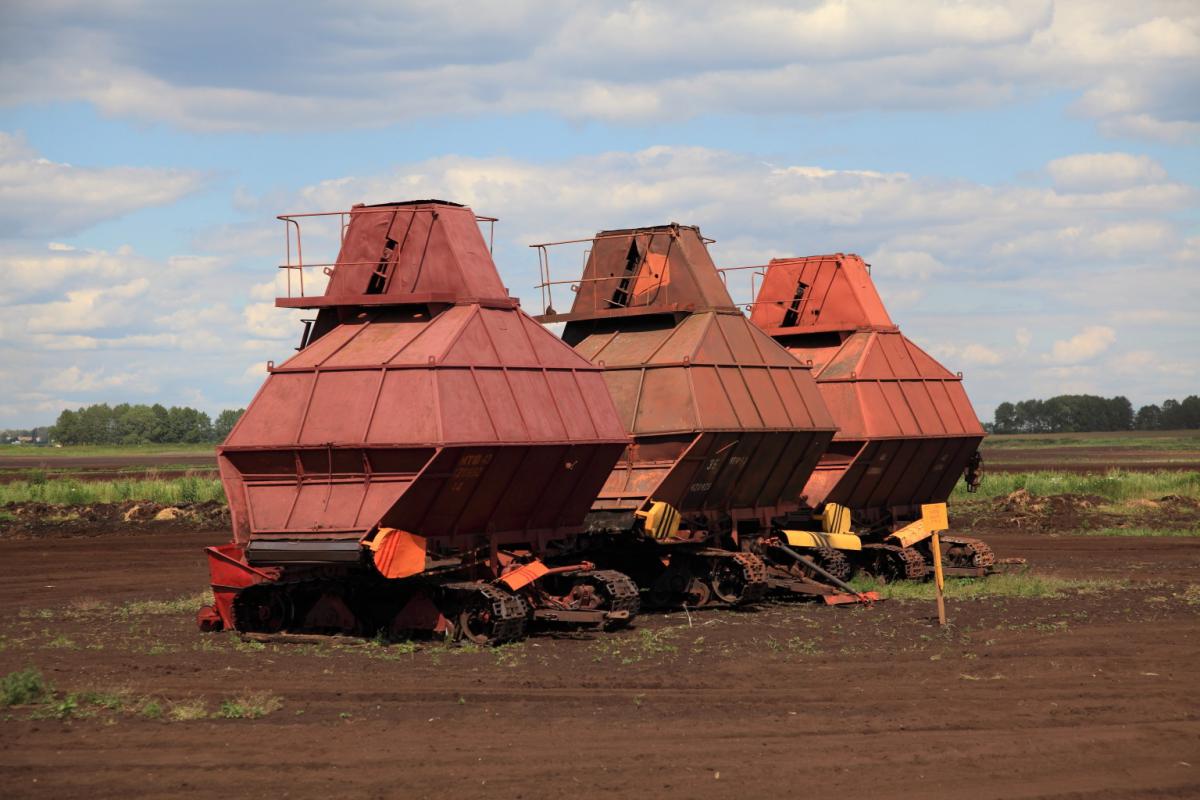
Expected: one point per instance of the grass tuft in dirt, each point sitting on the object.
(187, 710)
(23, 687)
(70, 492)
(1116, 484)
(252, 705)
(1024, 585)
(185, 604)
(1150, 532)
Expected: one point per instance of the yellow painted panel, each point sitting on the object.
(835, 518)
(838, 541)
(910, 534)
(660, 520)
(935, 517)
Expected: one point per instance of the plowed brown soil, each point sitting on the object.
(1088, 696)
(114, 466)
(1080, 459)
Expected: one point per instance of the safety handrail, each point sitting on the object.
(291, 221)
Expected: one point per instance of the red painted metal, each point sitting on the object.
(230, 574)
(907, 429)
(423, 399)
(725, 422)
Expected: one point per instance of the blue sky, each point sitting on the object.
(1023, 177)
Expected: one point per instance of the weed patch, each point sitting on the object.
(1146, 532)
(250, 706)
(1116, 485)
(71, 492)
(1004, 585)
(23, 687)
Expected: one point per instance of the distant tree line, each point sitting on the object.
(141, 424)
(1080, 413)
(39, 435)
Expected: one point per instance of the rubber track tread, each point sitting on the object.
(243, 598)
(510, 611)
(915, 568)
(833, 562)
(981, 553)
(622, 591)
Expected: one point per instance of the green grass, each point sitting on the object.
(185, 604)
(23, 688)
(41, 474)
(75, 451)
(1117, 485)
(173, 491)
(647, 644)
(1146, 440)
(250, 706)
(27, 688)
(1014, 584)
(1148, 532)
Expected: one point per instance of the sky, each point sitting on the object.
(1023, 177)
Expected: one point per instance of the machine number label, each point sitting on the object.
(469, 468)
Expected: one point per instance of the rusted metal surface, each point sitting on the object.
(906, 427)
(725, 422)
(423, 400)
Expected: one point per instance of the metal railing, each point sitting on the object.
(292, 222)
(547, 282)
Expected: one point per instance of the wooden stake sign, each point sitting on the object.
(935, 518)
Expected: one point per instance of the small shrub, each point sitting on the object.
(23, 687)
(110, 700)
(188, 710)
(150, 708)
(252, 705)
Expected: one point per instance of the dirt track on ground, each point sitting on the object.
(1083, 459)
(1091, 696)
(132, 466)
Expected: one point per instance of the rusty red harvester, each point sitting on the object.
(907, 431)
(415, 463)
(727, 426)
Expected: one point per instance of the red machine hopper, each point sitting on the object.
(906, 428)
(422, 400)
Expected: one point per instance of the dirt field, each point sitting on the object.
(106, 467)
(1092, 695)
(1080, 452)
(1091, 459)
(1093, 452)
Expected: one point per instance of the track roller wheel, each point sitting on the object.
(966, 552)
(263, 608)
(834, 562)
(892, 563)
(615, 591)
(738, 578)
(487, 615)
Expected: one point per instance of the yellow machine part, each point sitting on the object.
(910, 534)
(838, 541)
(660, 519)
(835, 519)
(935, 517)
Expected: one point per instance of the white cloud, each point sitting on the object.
(1020, 285)
(107, 326)
(1024, 338)
(1132, 65)
(74, 380)
(88, 309)
(970, 354)
(1083, 346)
(1088, 172)
(40, 197)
